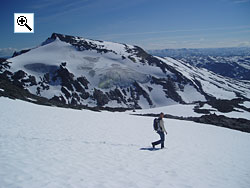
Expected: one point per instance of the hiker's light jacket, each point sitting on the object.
(162, 127)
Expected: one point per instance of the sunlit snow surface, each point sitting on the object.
(52, 147)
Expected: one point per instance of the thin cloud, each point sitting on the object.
(235, 1)
(196, 44)
(241, 1)
(181, 38)
(46, 3)
(244, 44)
(171, 31)
(51, 9)
(67, 6)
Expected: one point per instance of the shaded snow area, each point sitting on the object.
(63, 148)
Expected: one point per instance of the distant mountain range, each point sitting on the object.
(229, 62)
(187, 52)
(76, 71)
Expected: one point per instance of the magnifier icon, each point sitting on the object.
(22, 21)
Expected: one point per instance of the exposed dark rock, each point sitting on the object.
(6, 75)
(83, 81)
(225, 105)
(140, 91)
(4, 64)
(100, 97)
(20, 52)
(66, 92)
(67, 78)
(84, 95)
(202, 111)
(79, 44)
(58, 99)
(116, 95)
(32, 80)
(169, 88)
(76, 97)
(19, 75)
(78, 86)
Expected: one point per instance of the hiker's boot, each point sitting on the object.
(162, 146)
(153, 145)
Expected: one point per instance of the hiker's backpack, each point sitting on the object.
(156, 124)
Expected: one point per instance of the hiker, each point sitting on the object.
(160, 129)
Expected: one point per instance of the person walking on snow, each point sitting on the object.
(161, 130)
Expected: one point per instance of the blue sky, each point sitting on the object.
(151, 24)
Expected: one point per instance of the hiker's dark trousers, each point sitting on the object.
(161, 141)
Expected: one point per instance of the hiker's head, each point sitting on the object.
(161, 115)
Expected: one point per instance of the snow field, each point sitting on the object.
(54, 147)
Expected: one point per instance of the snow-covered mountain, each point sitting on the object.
(74, 70)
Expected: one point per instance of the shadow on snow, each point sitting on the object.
(150, 149)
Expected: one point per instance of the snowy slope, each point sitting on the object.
(78, 71)
(61, 148)
(247, 104)
(212, 84)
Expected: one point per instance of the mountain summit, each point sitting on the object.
(78, 71)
